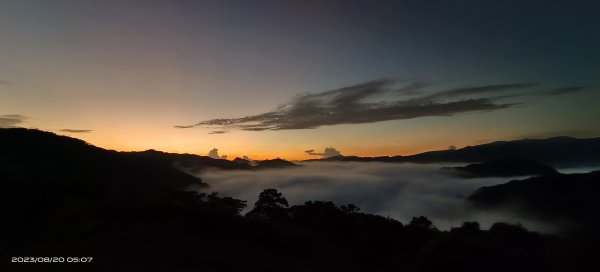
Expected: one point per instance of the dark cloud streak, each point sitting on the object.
(369, 102)
(544, 92)
(11, 120)
(184, 126)
(482, 90)
(68, 130)
(313, 153)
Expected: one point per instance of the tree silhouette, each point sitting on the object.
(270, 205)
(421, 222)
(467, 228)
(227, 204)
(315, 212)
(211, 201)
(350, 209)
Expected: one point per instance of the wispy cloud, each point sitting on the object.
(312, 152)
(328, 152)
(567, 90)
(4, 82)
(191, 126)
(375, 101)
(479, 90)
(68, 130)
(542, 92)
(11, 120)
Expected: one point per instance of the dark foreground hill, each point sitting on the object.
(568, 200)
(42, 161)
(64, 198)
(556, 151)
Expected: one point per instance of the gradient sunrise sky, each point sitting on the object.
(275, 78)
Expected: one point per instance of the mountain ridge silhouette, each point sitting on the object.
(561, 151)
(129, 211)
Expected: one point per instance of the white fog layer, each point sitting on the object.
(400, 191)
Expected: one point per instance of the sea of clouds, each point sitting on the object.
(397, 190)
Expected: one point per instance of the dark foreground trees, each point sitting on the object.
(270, 205)
(188, 231)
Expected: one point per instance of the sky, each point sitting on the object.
(272, 79)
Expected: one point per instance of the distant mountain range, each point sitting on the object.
(40, 144)
(503, 168)
(556, 151)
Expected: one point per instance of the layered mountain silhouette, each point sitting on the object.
(33, 155)
(556, 151)
(190, 161)
(239, 160)
(42, 171)
(503, 168)
(63, 197)
(37, 144)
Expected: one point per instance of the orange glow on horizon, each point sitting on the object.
(174, 144)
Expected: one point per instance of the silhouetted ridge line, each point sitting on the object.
(503, 168)
(556, 151)
(274, 163)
